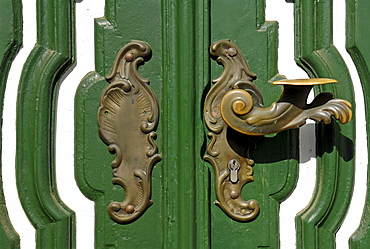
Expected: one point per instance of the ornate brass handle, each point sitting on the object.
(234, 112)
(127, 119)
(291, 111)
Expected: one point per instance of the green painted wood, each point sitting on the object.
(201, 79)
(186, 72)
(315, 53)
(178, 216)
(10, 43)
(93, 170)
(276, 168)
(183, 214)
(52, 56)
(358, 46)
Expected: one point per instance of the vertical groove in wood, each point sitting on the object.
(10, 44)
(358, 46)
(202, 77)
(52, 56)
(315, 53)
(185, 73)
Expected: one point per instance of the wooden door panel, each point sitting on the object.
(184, 175)
(275, 170)
(180, 71)
(93, 170)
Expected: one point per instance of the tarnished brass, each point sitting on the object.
(234, 114)
(227, 151)
(291, 111)
(127, 119)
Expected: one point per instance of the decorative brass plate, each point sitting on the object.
(127, 119)
(227, 154)
(234, 114)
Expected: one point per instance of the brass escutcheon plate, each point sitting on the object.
(127, 118)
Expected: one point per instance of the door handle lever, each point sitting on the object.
(234, 114)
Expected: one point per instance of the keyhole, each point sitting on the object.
(234, 166)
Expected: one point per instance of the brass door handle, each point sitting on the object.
(234, 105)
(291, 111)
(127, 118)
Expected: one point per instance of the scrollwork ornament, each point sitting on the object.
(127, 119)
(234, 113)
(237, 74)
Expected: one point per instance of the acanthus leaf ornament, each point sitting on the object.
(127, 118)
(234, 114)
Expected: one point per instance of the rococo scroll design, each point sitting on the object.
(228, 156)
(127, 118)
(235, 116)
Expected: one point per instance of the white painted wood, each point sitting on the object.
(69, 192)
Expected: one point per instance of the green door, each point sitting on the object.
(180, 72)
(174, 146)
